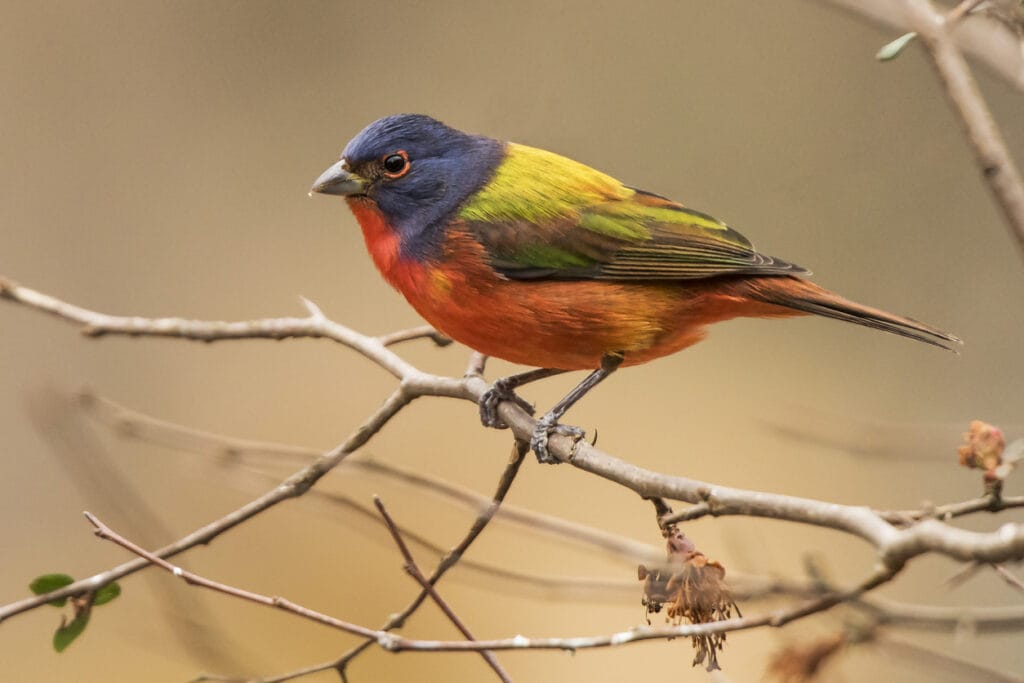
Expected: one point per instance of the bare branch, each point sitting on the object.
(423, 332)
(519, 451)
(133, 424)
(293, 486)
(895, 546)
(989, 41)
(994, 160)
(281, 678)
(414, 571)
(1009, 577)
(986, 503)
(953, 667)
(104, 532)
(316, 326)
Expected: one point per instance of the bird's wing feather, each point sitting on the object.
(543, 216)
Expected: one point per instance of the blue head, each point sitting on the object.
(418, 171)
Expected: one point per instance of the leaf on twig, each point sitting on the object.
(82, 605)
(66, 634)
(892, 50)
(46, 583)
(107, 593)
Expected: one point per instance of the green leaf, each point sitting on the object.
(51, 582)
(893, 49)
(67, 633)
(107, 593)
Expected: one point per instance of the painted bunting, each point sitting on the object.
(528, 256)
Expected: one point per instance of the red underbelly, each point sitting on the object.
(571, 325)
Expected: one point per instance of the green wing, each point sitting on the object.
(543, 216)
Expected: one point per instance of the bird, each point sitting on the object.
(525, 255)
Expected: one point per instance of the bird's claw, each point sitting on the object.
(546, 426)
(489, 402)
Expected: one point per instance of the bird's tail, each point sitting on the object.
(801, 295)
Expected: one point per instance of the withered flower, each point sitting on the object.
(691, 588)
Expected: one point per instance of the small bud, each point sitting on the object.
(983, 446)
(892, 50)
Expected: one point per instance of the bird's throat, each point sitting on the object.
(384, 244)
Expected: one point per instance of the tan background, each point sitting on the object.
(155, 158)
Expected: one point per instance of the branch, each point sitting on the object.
(987, 40)
(392, 643)
(314, 326)
(952, 667)
(994, 160)
(895, 546)
(133, 424)
(453, 556)
(293, 486)
(106, 533)
(414, 571)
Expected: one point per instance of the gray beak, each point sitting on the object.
(336, 180)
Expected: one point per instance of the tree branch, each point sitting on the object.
(987, 40)
(997, 166)
(519, 451)
(414, 571)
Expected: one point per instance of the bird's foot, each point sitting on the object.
(489, 402)
(546, 426)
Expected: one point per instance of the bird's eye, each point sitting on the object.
(396, 165)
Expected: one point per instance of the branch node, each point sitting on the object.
(314, 311)
(388, 641)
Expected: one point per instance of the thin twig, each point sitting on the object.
(991, 42)
(281, 678)
(952, 668)
(294, 486)
(132, 424)
(997, 166)
(1009, 577)
(422, 332)
(315, 326)
(519, 451)
(413, 570)
(986, 503)
(106, 533)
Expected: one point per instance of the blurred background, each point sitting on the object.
(155, 160)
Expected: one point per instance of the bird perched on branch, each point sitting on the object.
(525, 255)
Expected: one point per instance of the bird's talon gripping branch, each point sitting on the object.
(546, 426)
(504, 390)
(501, 391)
